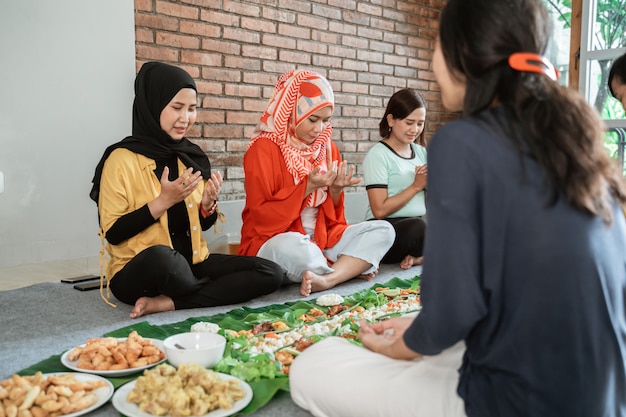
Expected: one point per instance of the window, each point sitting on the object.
(603, 29)
(601, 38)
(559, 48)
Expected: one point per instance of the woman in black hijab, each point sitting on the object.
(156, 195)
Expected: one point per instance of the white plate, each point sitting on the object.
(104, 394)
(121, 372)
(132, 410)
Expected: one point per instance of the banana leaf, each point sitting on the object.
(237, 319)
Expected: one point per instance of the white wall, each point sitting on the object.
(66, 87)
(67, 69)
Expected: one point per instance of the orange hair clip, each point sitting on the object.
(531, 62)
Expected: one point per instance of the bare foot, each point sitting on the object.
(305, 285)
(312, 283)
(149, 305)
(410, 261)
(368, 277)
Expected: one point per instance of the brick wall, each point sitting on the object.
(236, 50)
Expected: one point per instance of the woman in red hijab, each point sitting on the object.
(295, 180)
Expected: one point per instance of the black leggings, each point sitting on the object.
(219, 280)
(409, 239)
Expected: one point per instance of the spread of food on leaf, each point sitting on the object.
(266, 344)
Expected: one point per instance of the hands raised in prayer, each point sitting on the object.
(344, 177)
(173, 192)
(421, 177)
(212, 190)
(336, 178)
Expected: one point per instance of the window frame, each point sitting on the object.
(582, 55)
(585, 10)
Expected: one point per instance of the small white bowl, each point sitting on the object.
(205, 349)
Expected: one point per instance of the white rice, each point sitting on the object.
(205, 327)
(327, 300)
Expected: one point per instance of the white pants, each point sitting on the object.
(295, 252)
(335, 378)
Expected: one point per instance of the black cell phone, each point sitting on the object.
(87, 286)
(83, 278)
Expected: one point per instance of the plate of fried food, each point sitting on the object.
(65, 394)
(187, 390)
(112, 357)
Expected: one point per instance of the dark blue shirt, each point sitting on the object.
(536, 290)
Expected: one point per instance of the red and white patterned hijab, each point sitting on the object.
(297, 95)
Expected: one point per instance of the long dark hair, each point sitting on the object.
(561, 131)
(400, 105)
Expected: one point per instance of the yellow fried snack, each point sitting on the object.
(109, 353)
(191, 390)
(37, 396)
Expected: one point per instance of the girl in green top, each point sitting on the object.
(395, 176)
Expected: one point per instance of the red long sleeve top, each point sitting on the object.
(274, 202)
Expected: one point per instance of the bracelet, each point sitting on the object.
(206, 213)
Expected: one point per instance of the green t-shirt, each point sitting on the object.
(384, 168)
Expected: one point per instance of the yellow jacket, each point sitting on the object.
(128, 183)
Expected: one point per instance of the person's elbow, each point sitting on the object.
(114, 238)
(378, 213)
